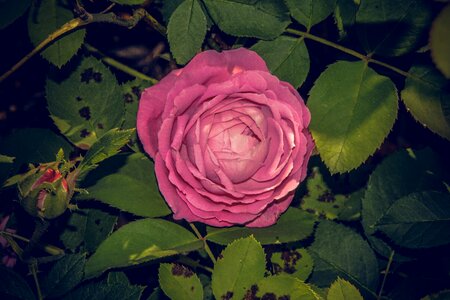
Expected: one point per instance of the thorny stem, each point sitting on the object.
(118, 65)
(33, 270)
(205, 243)
(50, 249)
(386, 272)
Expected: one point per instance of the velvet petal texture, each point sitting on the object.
(229, 140)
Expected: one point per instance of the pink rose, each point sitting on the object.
(229, 140)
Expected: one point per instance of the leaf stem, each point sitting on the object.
(118, 65)
(386, 272)
(354, 53)
(205, 243)
(193, 263)
(50, 249)
(33, 270)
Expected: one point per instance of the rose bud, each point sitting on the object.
(229, 140)
(45, 193)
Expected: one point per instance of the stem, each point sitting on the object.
(118, 65)
(193, 263)
(149, 19)
(33, 270)
(50, 249)
(39, 231)
(205, 243)
(386, 272)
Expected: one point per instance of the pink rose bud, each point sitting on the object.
(45, 193)
(229, 140)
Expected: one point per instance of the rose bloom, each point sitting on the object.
(229, 140)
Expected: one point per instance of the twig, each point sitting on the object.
(386, 272)
(205, 243)
(33, 270)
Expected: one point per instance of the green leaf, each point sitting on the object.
(168, 7)
(345, 15)
(6, 164)
(141, 241)
(47, 16)
(264, 19)
(281, 232)
(399, 175)
(310, 12)
(12, 285)
(186, 30)
(419, 220)
(33, 145)
(90, 226)
(297, 263)
(107, 146)
(64, 275)
(339, 251)
(87, 104)
(393, 27)
(427, 97)
(343, 290)
(350, 117)
(106, 289)
(179, 282)
(439, 42)
(129, 2)
(283, 287)
(442, 295)
(10, 10)
(286, 57)
(240, 265)
(127, 182)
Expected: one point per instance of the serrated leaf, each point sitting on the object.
(264, 19)
(108, 145)
(64, 275)
(393, 27)
(397, 176)
(427, 97)
(350, 117)
(284, 287)
(87, 104)
(186, 30)
(343, 290)
(310, 12)
(179, 282)
(127, 182)
(129, 2)
(12, 285)
(439, 42)
(240, 265)
(298, 263)
(105, 290)
(419, 220)
(281, 232)
(33, 145)
(141, 241)
(90, 226)
(10, 10)
(286, 57)
(339, 251)
(47, 16)
(345, 15)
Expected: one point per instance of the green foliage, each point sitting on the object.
(393, 27)
(140, 241)
(339, 251)
(6, 163)
(345, 15)
(87, 104)
(346, 112)
(65, 274)
(186, 30)
(240, 265)
(128, 183)
(10, 10)
(286, 57)
(285, 287)
(87, 227)
(439, 42)
(179, 282)
(45, 17)
(310, 12)
(297, 263)
(281, 232)
(427, 97)
(12, 285)
(264, 19)
(418, 220)
(343, 290)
